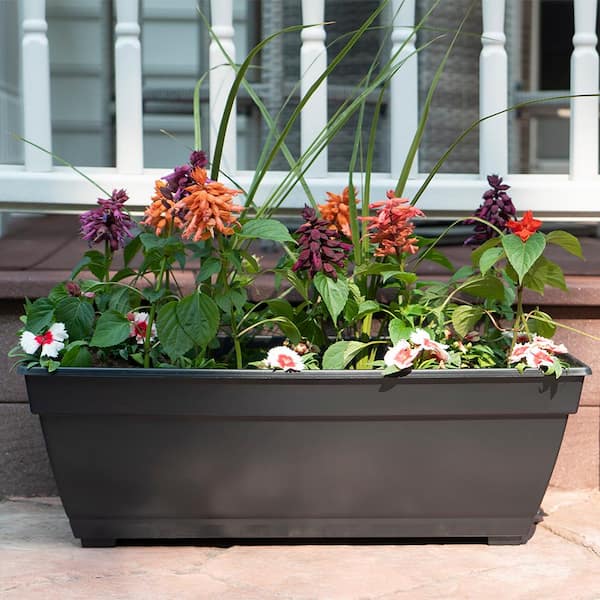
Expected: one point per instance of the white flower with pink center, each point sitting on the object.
(139, 327)
(401, 356)
(422, 340)
(549, 345)
(51, 342)
(534, 356)
(282, 357)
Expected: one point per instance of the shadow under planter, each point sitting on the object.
(160, 453)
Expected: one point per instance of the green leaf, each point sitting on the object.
(122, 274)
(131, 249)
(462, 273)
(338, 355)
(334, 293)
(288, 327)
(208, 268)
(57, 293)
(489, 258)
(281, 307)
(198, 316)
(112, 328)
(95, 262)
(464, 318)
(76, 355)
(78, 316)
(566, 241)
(484, 287)
(541, 323)
(153, 295)
(368, 307)
(438, 257)
(544, 272)
(119, 300)
(478, 252)
(522, 255)
(173, 339)
(232, 298)
(399, 330)
(265, 229)
(40, 315)
(402, 276)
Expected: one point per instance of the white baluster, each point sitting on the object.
(221, 79)
(37, 124)
(313, 62)
(493, 91)
(404, 92)
(583, 140)
(128, 89)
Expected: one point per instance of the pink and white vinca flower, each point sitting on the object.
(139, 327)
(422, 340)
(282, 357)
(51, 342)
(401, 355)
(539, 352)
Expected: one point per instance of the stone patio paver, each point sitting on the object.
(39, 559)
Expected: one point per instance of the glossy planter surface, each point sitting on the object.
(142, 454)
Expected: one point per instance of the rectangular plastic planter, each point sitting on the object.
(140, 454)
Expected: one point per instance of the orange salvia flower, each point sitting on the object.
(526, 227)
(162, 211)
(208, 207)
(337, 211)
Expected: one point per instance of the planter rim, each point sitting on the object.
(577, 369)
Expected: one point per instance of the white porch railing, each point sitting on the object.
(38, 186)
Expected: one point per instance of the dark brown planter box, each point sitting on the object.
(159, 453)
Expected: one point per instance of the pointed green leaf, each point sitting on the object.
(198, 315)
(544, 272)
(112, 328)
(522, 255)
(338, 355)
(484, 287)
(541, 323)
(119, 300)
(173, 339)
(368, 307)
(489, 258)
(265, 229)
(399, 330)
(478, 252)
(76, 355)
(464, 318)
(40, 315)
(566, 241)
(438, 257)
(78, 316)
(208, 268)
(334, 293)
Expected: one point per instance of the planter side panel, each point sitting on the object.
(279, 460)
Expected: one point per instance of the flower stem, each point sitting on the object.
(518, 318)
(108, 257)
(152, 315)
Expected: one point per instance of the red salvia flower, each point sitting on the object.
(526, 227)
(391, 228)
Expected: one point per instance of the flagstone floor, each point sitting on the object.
(39, 559)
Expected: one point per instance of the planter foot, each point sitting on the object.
(98, 542)
(511, 540)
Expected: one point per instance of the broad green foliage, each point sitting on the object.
(184, 291)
